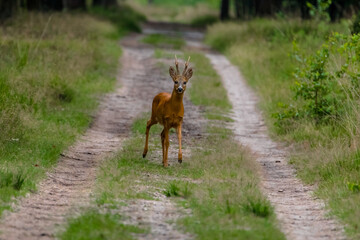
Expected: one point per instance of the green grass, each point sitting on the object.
(159, 40)
(122, 16)
(176, 11)
(324, 154)
(172, 190)
(207, 90)
(218, 182)
(53, 67)
(95, 225)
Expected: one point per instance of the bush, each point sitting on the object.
(325, 80)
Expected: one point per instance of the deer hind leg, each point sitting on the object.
(148, 126)
(178, 131)
(166, 147)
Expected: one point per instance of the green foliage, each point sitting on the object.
(314, 85)
(320, 11)
(321, 85)
(122, 16)
(353, 187)
(97, 226)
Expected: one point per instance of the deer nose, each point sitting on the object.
(180, 89)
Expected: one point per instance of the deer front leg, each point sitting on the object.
(178, 131)
(148, 126)
(162, 144)
(166, 147)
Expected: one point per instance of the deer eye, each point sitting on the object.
(176, 82)
(185, 83)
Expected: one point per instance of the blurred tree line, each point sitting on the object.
(247, 9)
(9, 7)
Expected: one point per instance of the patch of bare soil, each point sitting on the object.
(158, 215)
(69, 185)
(301, 215)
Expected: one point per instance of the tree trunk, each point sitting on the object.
(304, 9)
(224, 11)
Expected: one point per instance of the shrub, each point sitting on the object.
(325, 81)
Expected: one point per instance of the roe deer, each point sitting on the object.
(168, 110)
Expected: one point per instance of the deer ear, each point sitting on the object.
(172, 73)
(188, 74)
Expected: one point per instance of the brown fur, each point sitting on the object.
(168, 110)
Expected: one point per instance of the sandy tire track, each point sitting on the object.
(301, 215)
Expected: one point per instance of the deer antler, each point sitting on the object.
(186, 66)
(177, 66)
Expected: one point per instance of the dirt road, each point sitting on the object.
(69, 185)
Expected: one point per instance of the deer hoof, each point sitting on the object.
(180, 160)
(144, 155)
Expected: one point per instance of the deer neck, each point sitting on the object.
(176, 100)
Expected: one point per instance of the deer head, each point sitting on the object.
(180, 80)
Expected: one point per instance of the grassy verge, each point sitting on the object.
(199, 12)
(122, 16)
(218, 182)
(324, 154)
(53, 69)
